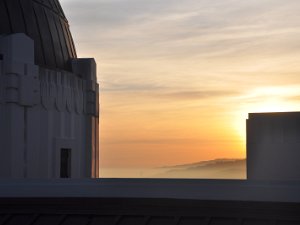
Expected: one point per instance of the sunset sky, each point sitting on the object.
(179, 77)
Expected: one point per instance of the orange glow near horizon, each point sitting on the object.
(171, 133)
(167, 135)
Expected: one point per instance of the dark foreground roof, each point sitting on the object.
(149, 202)
(44, 22)
(122, 211)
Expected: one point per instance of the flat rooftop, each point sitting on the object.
(149, 202)
(229, 190)
(265, 115)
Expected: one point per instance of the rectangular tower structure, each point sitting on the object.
(273, 146)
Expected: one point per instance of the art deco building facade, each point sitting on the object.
(49, 104)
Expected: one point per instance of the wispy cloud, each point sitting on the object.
(198, 95)
(147, 40)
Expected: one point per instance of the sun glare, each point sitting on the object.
(271, 105)
(271, 99)
(263, 100)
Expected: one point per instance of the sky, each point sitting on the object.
(178, 78)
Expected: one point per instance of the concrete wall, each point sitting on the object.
(43, 111)
(273, 146)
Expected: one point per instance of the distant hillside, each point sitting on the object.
(213, 169)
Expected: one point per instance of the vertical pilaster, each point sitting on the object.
(19, 92)
(86, 68)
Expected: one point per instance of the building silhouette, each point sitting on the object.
(49, 104)
(273, 146)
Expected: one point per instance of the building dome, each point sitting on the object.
(44, 22)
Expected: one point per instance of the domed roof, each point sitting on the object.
(45, 22)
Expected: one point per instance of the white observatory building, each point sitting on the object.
(49, 98)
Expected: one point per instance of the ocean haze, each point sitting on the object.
(211, 169)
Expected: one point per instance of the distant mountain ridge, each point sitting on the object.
(207, 162)
(211, 169)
